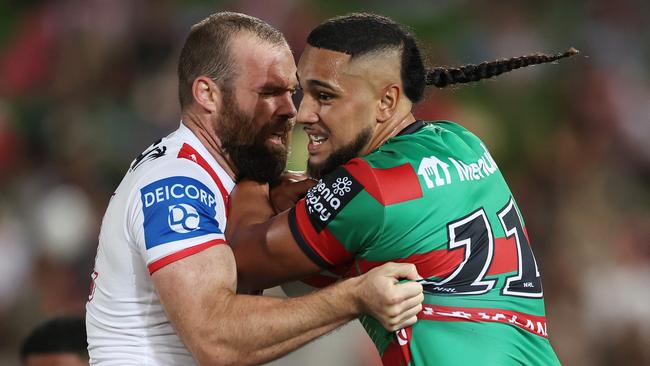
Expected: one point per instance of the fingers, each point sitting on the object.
(294, 176)
(304, 185)
(286, 195)
(406, 290)
(412, 303)
(298, 189)
(402, 319)
(401, 271)
(290, 177)
(394, 304)
(402, 314)
(409, 314)
(407, 322)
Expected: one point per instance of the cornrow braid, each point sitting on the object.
(445, 76)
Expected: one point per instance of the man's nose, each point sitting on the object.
(307, 111)
(287, 108)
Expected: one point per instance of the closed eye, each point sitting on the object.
(324, 97)
(268, 93)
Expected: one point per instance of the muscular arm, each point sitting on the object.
(266, 252)
(220, 327)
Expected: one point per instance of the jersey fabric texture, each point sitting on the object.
(433, 196)
(170, 204)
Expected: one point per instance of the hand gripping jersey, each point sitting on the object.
(171, 204)
(433, 196)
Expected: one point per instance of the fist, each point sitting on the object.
(393, 303)
(287, 190)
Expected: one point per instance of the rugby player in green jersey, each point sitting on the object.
(393, 188)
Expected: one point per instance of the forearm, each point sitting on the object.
(255, 329)
(278, 350)
(278, 320)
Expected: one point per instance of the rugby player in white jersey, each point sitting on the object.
(164, 283)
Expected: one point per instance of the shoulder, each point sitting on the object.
(388, 178)
(179, 155)
(174, 169)
(453, 128)
(171, 170)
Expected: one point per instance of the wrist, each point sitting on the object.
(353, 295)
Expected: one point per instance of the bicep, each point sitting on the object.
(275, 259)
(189, 287)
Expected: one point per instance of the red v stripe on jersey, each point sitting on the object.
(440, 263)
(189, 153)
(388, 186)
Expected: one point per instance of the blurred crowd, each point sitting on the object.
(85, 86)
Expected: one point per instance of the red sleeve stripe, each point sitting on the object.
(326, 245)
(189, 153)
(160, 263)
(440, 263)
(388, 186)
(302, 243)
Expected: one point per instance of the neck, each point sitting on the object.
(203, 129)
(388, 129)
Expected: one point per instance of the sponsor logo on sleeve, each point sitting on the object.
(330, 196)
(177, 208)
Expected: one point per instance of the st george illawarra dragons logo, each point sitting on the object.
(153, 152)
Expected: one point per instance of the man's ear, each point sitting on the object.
(388, 102)
(206, 94)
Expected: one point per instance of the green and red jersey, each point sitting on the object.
(433, 196)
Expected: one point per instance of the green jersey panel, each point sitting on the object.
(434, 197)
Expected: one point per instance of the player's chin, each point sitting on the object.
(320, 155)
(316, 162)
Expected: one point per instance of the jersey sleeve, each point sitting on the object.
(338, 218)
(177, 211)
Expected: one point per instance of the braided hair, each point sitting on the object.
(444, 76)
(359, 34)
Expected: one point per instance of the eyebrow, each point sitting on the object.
(313, 82)
(271, 86)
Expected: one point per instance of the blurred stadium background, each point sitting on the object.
(86, 85)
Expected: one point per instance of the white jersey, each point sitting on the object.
(171, 204)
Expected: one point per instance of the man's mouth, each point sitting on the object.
(279, 134)
(279, 138)
(317, 139)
